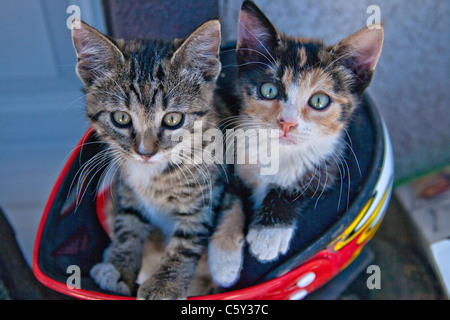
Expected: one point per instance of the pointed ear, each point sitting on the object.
(360, 53)
(95, 52)
(257, 37)
(200, 51)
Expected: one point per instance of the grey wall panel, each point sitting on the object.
(167, 19)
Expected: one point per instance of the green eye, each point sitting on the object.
(173, 120)
(319, 101)
(121, 119)
(269, 91)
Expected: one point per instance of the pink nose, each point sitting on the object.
(146, 158)
(286, 126)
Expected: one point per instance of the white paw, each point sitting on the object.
(225, 264)
(108, 278)
(267, 243)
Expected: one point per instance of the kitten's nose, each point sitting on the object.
(146, 149)
(146, 156)
(144, 153)
(287, 125)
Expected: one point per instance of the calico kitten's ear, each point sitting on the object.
(360, 53)
(257, 37)
(96, 53)
(200, 51)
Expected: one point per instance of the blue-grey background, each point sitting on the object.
(41, 105)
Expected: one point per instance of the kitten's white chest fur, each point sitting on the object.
(293, 163)
(140, 177)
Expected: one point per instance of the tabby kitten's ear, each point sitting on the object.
(360, 53)
(257, 37)
(200, 51)
(96, 53)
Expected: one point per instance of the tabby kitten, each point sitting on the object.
(139, 95)
(308, 91)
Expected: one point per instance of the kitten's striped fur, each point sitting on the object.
(313, 144)
(148, 79)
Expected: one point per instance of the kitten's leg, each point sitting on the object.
(189, 241)
(122, 260)
(272, 226)
(226, 246)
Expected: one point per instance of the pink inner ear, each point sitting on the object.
(78, 42)
(369, 52)
(252, 34)
(84, 43)
(366, 45)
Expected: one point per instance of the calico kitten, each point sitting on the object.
(308, 91)
(139, 95)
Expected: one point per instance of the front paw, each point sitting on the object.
(154, 289)
(267, 243)
(225, 260)
(108, 278)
